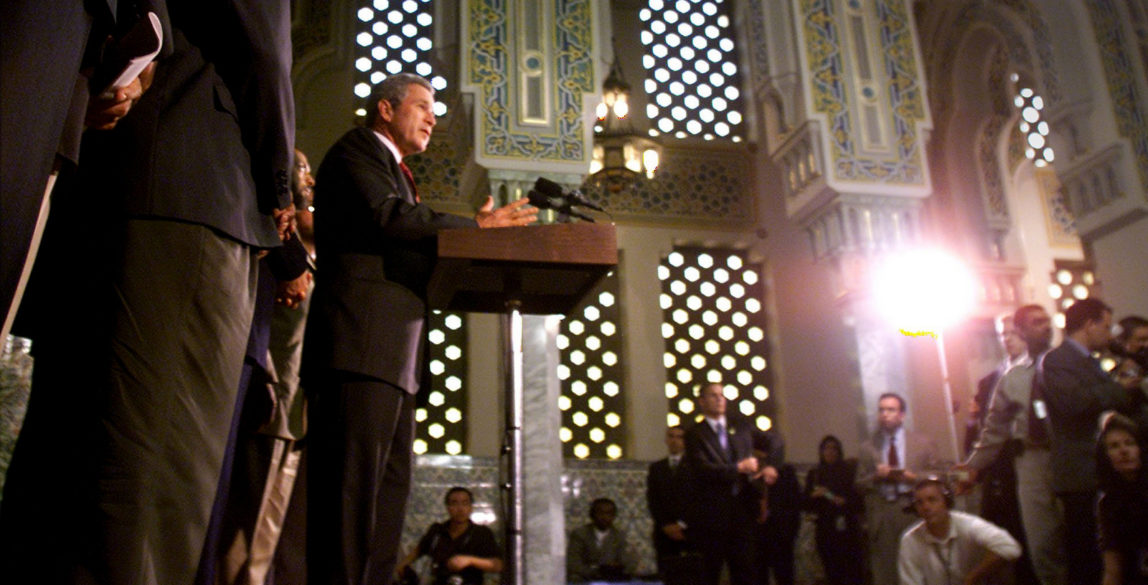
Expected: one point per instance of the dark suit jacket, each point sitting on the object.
(377, 250)
(714, 505)
(1077, 391)
(42, 48)
(667, 495)
(211, 141)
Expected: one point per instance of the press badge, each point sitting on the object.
(1039, 409)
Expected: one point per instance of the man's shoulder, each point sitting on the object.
(915, 532)
(1062, 355)
(582, 532)
(1017, 378)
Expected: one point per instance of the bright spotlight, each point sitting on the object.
(922, 291)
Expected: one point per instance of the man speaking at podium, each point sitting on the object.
(363, 356)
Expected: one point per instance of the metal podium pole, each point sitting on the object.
(514, 573)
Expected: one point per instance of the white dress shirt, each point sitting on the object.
(927, 560)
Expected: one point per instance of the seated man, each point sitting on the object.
(948, 546)
(598, 551)
(460, 550)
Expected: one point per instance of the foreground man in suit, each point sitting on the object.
(163, 227)
(363, 357)
(1077, 392)
(727, 487)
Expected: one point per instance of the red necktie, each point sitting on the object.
(894, 459)
(410, 179)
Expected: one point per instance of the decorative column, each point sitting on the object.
(844, 93)
(532, 69)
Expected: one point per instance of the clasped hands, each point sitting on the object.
(751, 467)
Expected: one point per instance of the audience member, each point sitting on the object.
(1077, 391)
(289, 497)
(779, 522)
(831, 495)
(363, 356)
(460, 550)
(1123, 510)
(1011, 427)
(258, 478)
(667, 495)
(598, 551)
(1132, 341)
(998, 501)
(162, 226)
(727, 487)
(888, 468)
(948, 546)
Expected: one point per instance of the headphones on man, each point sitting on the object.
(946, 490)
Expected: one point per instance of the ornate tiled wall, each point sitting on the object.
(692, 183)
(834, 96)
(1115, 54)
(622, 481)
(493, 61)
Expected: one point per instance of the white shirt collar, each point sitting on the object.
(390, 145)
(714, 422)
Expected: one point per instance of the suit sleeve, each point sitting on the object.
(1076, 390)
(577, 568)
(255, 63)
(288, 261)
(654, 496)
(997, 429)
(706, 466)
(866, 467)
(376, 187)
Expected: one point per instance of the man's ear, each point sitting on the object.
(386, 110)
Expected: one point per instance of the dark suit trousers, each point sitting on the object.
(132, 416)
(735, 545)
(361, 434)
(1084, 565)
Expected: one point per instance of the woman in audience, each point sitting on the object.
(1123, 514)
(831, 495)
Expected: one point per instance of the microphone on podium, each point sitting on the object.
(548, 200)
(574, 197)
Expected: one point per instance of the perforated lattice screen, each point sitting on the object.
(591, 373)
(714, 331)
(441, 423)
(394, 36)
(691, 64)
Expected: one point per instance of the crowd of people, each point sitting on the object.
(1055, 447)
(161, 234)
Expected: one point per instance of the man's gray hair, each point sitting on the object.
(394, 90)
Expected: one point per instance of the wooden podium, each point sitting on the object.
(544, 270)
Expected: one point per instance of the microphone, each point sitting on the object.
(559, 204)
(572, 198)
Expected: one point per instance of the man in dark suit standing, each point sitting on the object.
(667, 495)
(727, 488)
(1077, 391)
(363, 356)
(162, 230)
